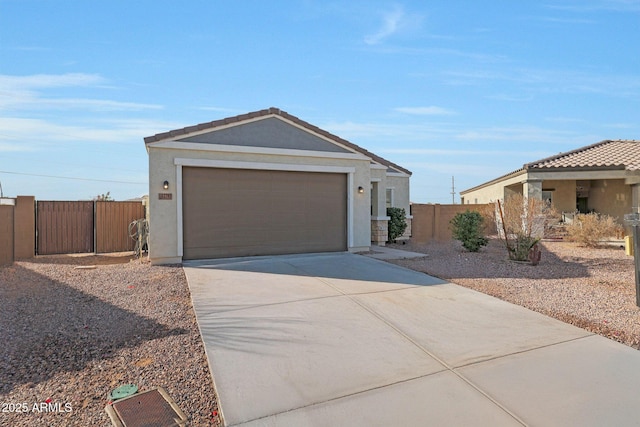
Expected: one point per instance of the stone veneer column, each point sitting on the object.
(379, 231)
(407, 233)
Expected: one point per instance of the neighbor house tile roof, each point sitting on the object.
(607, 154)
(619, 154)
(268, 112)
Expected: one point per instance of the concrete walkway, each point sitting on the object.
(387, 253)
(346, 340)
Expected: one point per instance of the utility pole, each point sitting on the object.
(453, 191)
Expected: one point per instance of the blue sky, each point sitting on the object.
(467, 89)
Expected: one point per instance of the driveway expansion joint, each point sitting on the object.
(457, 347)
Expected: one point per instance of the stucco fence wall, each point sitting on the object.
(431, 221)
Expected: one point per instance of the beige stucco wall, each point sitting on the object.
(163, 214)
(611, 197)
(610, 190)
(564, 194)
(491, 192)
(400, 186)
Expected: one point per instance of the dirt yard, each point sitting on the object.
(76, 327)
(591, 288)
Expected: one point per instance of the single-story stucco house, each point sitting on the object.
(602, 177)
(266, 183)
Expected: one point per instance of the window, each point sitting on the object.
(547, 196)
(389, 197)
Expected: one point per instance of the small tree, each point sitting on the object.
(106, 197)
(397, 223)
(590, 229)
(521, 222)
(467, 227)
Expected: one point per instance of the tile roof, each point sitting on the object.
(608, 154)
(268, 112)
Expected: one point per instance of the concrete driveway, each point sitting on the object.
(346, 340)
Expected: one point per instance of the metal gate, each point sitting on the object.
(64, 227)
(85, 227)
(112, 225)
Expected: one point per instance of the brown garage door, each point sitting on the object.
(239, 212)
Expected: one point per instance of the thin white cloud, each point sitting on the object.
(453, 168)
(222, 110)
(599, 5)
(14, 147)
(534, 80)
(561, 119)
(387, 131)
(565, 21)
(390, 24)
(530, 134)
(621, 125)
(75, 103)
(510, 98)
(393, 133)
(394, 22)
(22, 134)
(23, 98)
(8, 82)
(26, 93)
(425, 111)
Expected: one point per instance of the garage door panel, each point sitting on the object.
(235, 212)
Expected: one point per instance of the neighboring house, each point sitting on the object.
(266, 183)
(603, 178)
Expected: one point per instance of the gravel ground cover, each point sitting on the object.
(592, 288)
(72, 333)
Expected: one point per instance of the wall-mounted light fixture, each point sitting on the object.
(360, 190)
(165, 185)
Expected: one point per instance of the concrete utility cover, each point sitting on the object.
(342, 339)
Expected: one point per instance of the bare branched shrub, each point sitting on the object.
(521, 223)
(590, 229)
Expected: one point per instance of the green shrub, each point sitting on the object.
(590, 229)
(467, 227)
(520, 246)
(397, 223)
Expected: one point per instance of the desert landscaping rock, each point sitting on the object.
(72, 335)
(592, 288)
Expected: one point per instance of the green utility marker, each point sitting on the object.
(123, 391)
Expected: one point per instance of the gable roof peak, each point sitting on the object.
(270, 112)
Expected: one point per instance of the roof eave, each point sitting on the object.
(494, 181)
(576, 168)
